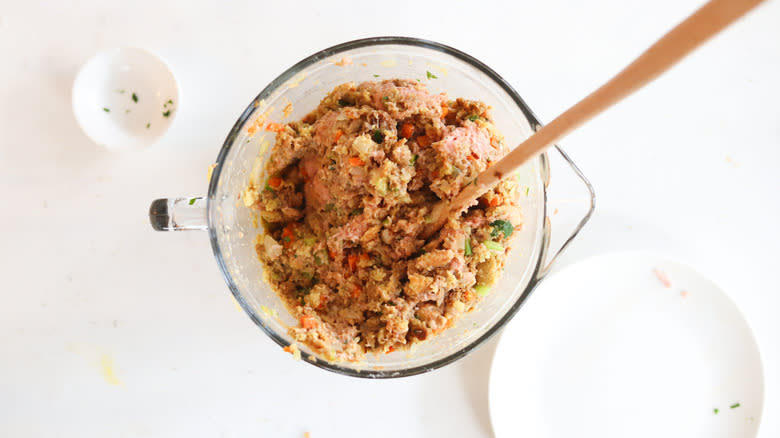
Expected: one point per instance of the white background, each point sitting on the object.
(686, 167)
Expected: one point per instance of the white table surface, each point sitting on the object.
(110, 329)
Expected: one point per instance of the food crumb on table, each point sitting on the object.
(662, 277)
(684, 293)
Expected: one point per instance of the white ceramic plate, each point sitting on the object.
(604, 349)
(125, 98)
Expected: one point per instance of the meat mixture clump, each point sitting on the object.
(348, 190)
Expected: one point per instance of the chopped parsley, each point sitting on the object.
(501, 226)
(527, 189)
(169, 102)
(376, 76)
(286, 238)
(715, 411)
(148, 125)
(106, 110)
(467, 247)
(269, 188)
(167, 113)
(135, 98)
(192, 200)
(473, 118)
(430, 75)
(414, 159)
(386, 98)
(343, 102)
(356, 212)
(378, 136)
(735, 405)
(332, 166)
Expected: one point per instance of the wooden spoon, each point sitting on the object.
(713, 17)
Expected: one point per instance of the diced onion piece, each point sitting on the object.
(272, 248)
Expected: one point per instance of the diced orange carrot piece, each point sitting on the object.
(352, 260)
(308, 321)
(274, 127)
(407, 130)
(364, 257)
(390, 350)
(444, 110)
(288, 237)
(356, 292)
(356, 161)
(338, 135)
(495, 201)
(275, 182)
(424, 141)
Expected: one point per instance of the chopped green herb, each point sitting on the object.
(318, 260)
(329, 207)
(135, 98)
(343, 102)
(376, 76)
(527, 189)
(390, 303)
(414, 159)
(148, 125)
(430, 75)
(286, 238)
(735, 405)
(167, 113)
(121, 91)
(467, 247)
(192, 200)
(501, 226)
(356, 212)
(127, 111)
(494, 246)
(427, 219)
(386, 98)
(310, 240)
(378, 136)
(386, 220)
(715, 411)
(481, 289)
(269, 188)
(307, 275)
(170, 102)
(473, 118)
(106, 110)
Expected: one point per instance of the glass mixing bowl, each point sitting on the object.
(233, 228)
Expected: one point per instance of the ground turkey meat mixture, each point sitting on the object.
(348, 190)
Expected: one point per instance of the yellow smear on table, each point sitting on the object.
(388, 63)
(235, 303)
(211, 170)
(99, 358)
(107, 367)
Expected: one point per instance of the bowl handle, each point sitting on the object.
(550, 255)
(177, 214)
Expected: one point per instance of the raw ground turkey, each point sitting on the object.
(349, 188)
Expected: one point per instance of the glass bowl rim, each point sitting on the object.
(289, 74)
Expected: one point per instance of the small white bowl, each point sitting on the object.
(125, 98)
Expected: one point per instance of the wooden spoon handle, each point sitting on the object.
(671, 48)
